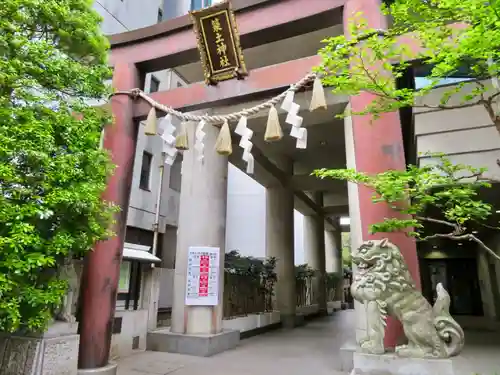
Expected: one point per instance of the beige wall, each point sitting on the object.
(166, 288)
(142, 205)
(467, 135)
(134, 324)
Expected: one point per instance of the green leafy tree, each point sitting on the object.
(52, 170)
(452, 35)
(444, 194)
(449, 36)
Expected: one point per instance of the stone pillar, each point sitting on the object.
(333, 242)
(330, 252)
(374, 147)
(197, 330)
(280, 244)
(314, 246)
(102, 266)
(202, 222)
(339, 265)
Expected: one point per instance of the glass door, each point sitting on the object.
(460, 279)
(464, 287)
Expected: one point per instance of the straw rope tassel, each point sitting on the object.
(273, 129)
(224, 144)
(181, 140)
(151, 123)
(318, 99)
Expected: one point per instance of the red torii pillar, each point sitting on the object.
(102, 266)
(378, 147)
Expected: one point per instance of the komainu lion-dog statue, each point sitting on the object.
(384, 285)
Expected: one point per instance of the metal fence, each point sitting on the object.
(304, 288)
(245, 295)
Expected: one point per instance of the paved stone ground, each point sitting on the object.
(309, 350)
(481, 354)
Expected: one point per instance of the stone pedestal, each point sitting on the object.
(289, 321)
(390, 364)
(52, 353)
(200, 345)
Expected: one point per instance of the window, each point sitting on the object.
(160, 15)
(147, 159)
(421, 73)
(345, 220)
(129, 285)
(198, 4)
(124, 281)
(179, 84)
(154, 85)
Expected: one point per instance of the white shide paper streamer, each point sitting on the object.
(297, 131)
(166, 131)
(245, 143)
(199, 146)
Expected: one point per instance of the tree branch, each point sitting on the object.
(493, 179)
(492, 97)
(437, 221)
(486, 225)
(492, 6)
(446, 107)
(373, 78)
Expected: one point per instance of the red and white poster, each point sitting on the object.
(202, 281)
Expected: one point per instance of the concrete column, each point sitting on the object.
(330, 252)
(314, 246)
(202, 222)
(373, 147)
(339, 264)
(333, 241)
(102, 266)
(280, 244)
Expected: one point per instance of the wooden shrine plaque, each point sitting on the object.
(218, 43)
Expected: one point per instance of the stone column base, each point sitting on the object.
(323, 311)
(289, 321)
(163, 340)
(390, 364)
(54, 352)
(110, 369)
(346, 356)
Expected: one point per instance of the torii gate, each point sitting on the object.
(172, 43)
